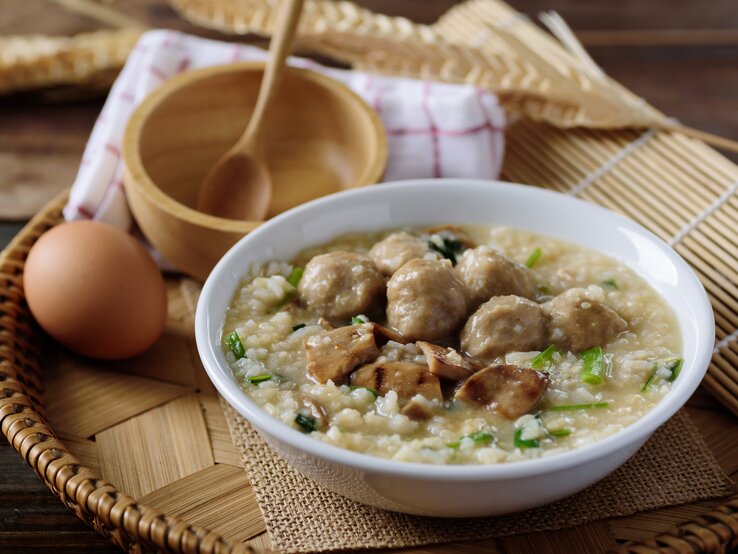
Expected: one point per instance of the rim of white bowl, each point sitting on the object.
(689, 379)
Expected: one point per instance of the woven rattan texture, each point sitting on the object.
(71, 467)
(90, 59)
(290, 502)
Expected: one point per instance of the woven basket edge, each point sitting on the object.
(95, 501)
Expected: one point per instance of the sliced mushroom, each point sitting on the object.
(447, 362)
(333, 354)
(508, 390)
(417, 410)
(384, 334)
(405, 378)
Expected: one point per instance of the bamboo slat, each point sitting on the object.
(101, 399)
(224, 451)
(218, 498)
(156, 448)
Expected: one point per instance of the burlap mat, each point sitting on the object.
(673, 467)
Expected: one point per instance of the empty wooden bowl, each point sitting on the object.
(319, 138)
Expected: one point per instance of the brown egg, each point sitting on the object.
(95, 290)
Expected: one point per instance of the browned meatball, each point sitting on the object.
(504, 324)
(396, 250)
(487, 273)
(426, 299)
(339, 285)
(579, 320)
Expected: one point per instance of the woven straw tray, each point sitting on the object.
(153, 426)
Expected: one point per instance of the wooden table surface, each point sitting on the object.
(680, 56)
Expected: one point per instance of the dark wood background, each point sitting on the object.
(681, 56)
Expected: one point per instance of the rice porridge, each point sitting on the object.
(452, 345)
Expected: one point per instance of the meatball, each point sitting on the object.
(339, 285)
(426, 300)
(504, 324)
(393, 252)
(487, 273)
(580, 320)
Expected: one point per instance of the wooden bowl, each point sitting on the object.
(319, 137)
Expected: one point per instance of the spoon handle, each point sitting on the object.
(288, 18)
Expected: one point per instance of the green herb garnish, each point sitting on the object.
(297, 327)
(306, 422)
(651, 379)
(255, 379)
(359, 320)
(481, 438)
(295, 276)
(593, 366)
(676, 369)
(544, 358)
(545, 290)
(570, 407)
(524, 443)
(449, 248)
(559, 432)
(610, 283)
(371, 390)
(234, 343)
(534, 257)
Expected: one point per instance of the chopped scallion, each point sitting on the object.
(255, 379)
(524, 443)
(610, 283)
(570, 407)
(234, 343)
(593, 366)
(297, 327)
(651, 379)
(481, 438)
(534, 257)
(544, 358)
(676, 369)
(371, 390)
(306, 422)
(359, 319)
(295, 276)
(559, 432)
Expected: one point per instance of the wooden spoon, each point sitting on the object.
(239, 186)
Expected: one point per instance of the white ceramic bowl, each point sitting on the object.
(469, 490)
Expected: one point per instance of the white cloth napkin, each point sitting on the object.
(433, 129)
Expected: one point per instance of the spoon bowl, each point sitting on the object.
(240, 187)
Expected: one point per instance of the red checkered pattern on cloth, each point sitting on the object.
(433, 129)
